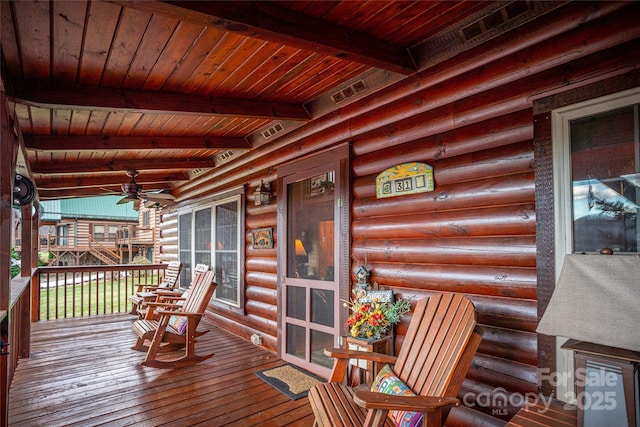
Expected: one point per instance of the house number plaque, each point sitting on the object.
(406, 178)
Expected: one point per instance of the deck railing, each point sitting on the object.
(89, 290)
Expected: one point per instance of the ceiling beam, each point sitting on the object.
(122, 143)
(46, 94)
(270, 22)
(121, 165)
(60, 182)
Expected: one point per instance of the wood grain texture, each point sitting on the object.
(62, 383)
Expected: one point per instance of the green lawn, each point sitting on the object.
(88, 299)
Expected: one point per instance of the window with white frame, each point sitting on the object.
(596, 162)
(226, 252)
(597, 170)
(113, 232)
(202, 236)
(98, 232)
(212, 234)
(63, 235)
(185, 249)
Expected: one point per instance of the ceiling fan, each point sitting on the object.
(133, 192)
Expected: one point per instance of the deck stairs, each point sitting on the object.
(103, 253)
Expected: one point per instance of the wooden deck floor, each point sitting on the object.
(82, 372)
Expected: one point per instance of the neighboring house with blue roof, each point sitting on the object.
(96, 230)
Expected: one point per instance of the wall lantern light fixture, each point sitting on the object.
(262, 195)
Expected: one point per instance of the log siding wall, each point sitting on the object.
(471, 118)
(475, 234)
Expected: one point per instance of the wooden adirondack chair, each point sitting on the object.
(165, 294)
(434, 358)
(144, 291)
(176, 327)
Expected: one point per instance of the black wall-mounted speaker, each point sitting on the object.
(23, 191)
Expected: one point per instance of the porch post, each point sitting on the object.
(28, 256)
(7, 170)
(35, 235)
(34, 308)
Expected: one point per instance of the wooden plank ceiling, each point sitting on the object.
(166, 88)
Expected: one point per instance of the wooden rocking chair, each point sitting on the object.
(176, 327)
(145, 291)
(434, 358)
(165, 294)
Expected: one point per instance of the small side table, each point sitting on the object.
(364, 369)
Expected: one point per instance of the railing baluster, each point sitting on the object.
(44, 311)
(119, 296)
(104, 290)
(89, 294)
(100, 292)
(104, 297)
(82, 300)
(51, 296)
(89, 287)
(97, 292)
(73, 298)
(43, 302)
(86, 293)
(126, 287)
(97, 296)
(111, 293)
(64, 298)
(93, 288)
(48, 296)
(116, 279)
(55, 291)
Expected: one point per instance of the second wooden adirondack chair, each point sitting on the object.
(434, 358)
(165, 294)
(144, 291)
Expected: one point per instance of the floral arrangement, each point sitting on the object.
(372, 320)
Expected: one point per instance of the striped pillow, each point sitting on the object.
(179, 323)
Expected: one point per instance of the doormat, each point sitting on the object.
(290, 380)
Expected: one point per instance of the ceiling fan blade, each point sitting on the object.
(123, 201)
(165, 196)
(161, 201)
